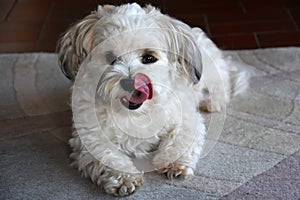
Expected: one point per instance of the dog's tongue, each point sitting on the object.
(143, 87)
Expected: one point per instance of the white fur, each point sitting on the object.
(170, 124)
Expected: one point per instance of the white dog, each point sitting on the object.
(156, 75)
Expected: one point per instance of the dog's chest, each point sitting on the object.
(139, 133)
(138, 147)
(135, 135)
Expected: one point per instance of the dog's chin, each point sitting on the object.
(129, 104)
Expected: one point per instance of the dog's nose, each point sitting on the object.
(127, 84)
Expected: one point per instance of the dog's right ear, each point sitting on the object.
(75, 44)
(78, 41)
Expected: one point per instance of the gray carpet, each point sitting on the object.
(257, 155)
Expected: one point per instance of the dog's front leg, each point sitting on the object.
(180, 149)
(108, 166)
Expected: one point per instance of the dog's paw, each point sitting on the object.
(175, 170)
(123, 185)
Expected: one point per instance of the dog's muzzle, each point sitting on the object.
(140, 89)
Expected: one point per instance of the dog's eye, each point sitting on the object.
(148, 59)
(110, 58)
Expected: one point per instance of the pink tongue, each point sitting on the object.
(144, 90)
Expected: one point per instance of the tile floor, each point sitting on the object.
(35, 25)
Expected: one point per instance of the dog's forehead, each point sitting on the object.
(134, 41)
(129, 27)
(131, 9)
(126, 9)
(126, 31)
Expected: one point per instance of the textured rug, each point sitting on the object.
(257, 155)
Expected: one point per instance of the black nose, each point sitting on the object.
(127, 84)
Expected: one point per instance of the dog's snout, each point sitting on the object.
(127, 84)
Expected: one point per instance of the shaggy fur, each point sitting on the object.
(182, 72)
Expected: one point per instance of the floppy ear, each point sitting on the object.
(78, 41)
(182, 44)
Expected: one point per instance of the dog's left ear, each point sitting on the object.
(183, 45)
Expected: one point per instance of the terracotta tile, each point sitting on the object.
(279, 39)
(199, 7)
(15, 31)
(69, 15)
(19, 47)
(252, 5)
(18, 37)
(195, 21)
(76, 10)
(15, 47)
(295, 13)
(87, 6)
(29, 36)
(258, 15)
(72, 12)
(53, 29)
(259, 26)
(35, 25)
(34, 10)
(291, 3)
(245, 41)
(88, 3)
(20, 26)
(5, 8)
(200, 3)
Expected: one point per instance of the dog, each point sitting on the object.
(143, 96)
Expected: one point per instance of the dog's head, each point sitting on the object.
(145, 52)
